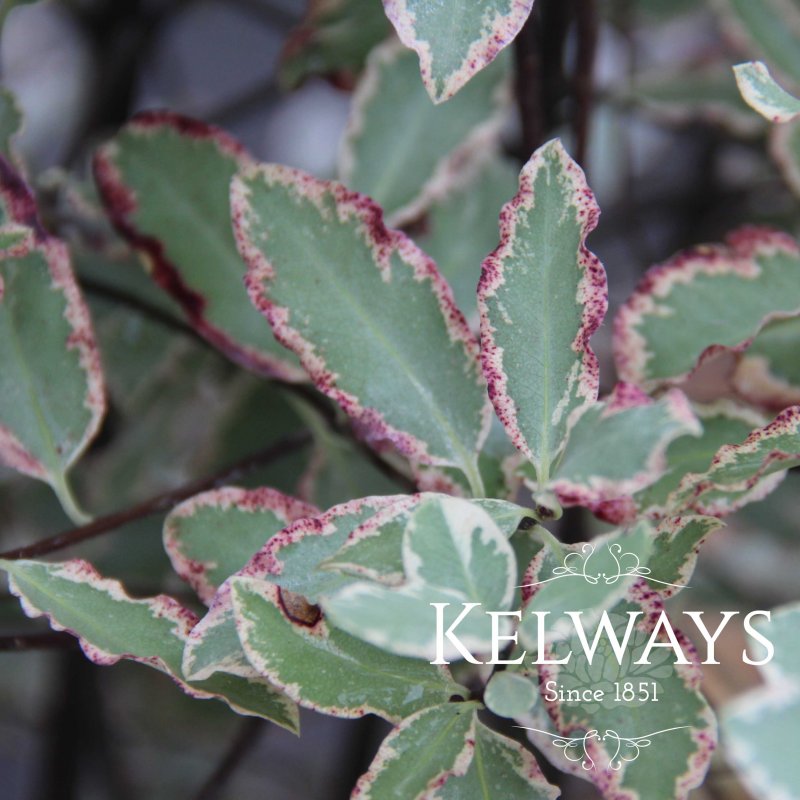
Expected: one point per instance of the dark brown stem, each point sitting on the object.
(528, 85)
(161, 502)
(586, 28)
(245, 740)
(48, 640)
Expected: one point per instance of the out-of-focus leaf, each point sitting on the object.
(541, 296)
(10, 119)
(325, 669)
(333, 40)
(112, 626)
(762, 92)
(339, 289)
(703, 301)
(403, 151)
(761, 727)
(213, 535)
(455, 41)
(164, 180)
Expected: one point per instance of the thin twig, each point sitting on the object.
(48, 640)
(161, 502)
(242, 744)
(586, 28)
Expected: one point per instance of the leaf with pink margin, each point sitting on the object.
(763, 93)
(52, 392)
(164, 180)
(340, 290)
(112, 626)
(703, 301)
(746, 472)
(212, 535)
(638, 430)
(541, 296)
(451, 54)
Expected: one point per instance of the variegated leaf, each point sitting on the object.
(52, 394)
(421, 754)
(761, 728)
(723, 422)
(403, 166)
(500, 767)
(333, 40)
(743, 473)
(453, 553)
(461, 227)
(453, 40)
(703, 301)
(290, 559)
(589, 577)
(762, 92)
(213, 535)
(768, 374)
(339, 289)
(638, 431)
(165, 180)
(324, 668)
(640, 749)
(541, 296)
(511, 693)
(112, 626)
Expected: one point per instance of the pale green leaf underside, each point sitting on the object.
(112, 626)
(326, 669)
(342, 291)
(453, 552)
(400, 149)
(455, 39)
(762, 92)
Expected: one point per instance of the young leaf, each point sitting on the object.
(325, 669)
(403, 151)
(760, 91)
(339, 289)
(213, 535)
(112, 626)
(738, 473)
(511, 694)
(703, 301)
(768, 374)
(165, 183)
(760, 729)
(333, 40)
(638, 431)
(500, 767)
(454, 41)
(541, 296)
(453, 553)
(52, 395)
(421, 753)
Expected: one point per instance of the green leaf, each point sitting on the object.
(10, 122)
(421, 753)
(724, 422)
(403, 151)
(704, 301)
(165, 180)
(761, 92)
(511, 694)
(213, 535)
(290, 559)
(52, 394)
(768, 374)
(500, 767)
(333, 40)
(589, 577)
(325, 669)
(461, 227)
(541, 296)
(743, 473)
(339, 289)
(453, 552)
(635, 748)
(638, 431)
(454, 41)
(785, 151)
(760, 729)
(112, 626)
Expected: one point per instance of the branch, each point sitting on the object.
(586, 27)
(161, 502)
